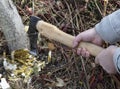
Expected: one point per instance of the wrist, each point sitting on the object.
(97, 38)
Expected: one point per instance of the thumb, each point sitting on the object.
(97, 60)
(76, 41)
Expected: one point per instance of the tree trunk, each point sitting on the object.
(12, 26)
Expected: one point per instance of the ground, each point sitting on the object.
(64, 69)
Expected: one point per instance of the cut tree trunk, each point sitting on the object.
(12, 26)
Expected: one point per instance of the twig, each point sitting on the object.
(70, 13)
(105, 7)
(87, 80)
(98, 8)
(33, 7)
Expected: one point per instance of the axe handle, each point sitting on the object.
(52, 32)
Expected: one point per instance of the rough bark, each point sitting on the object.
(12, 26)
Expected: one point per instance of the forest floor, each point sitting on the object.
(64, 69)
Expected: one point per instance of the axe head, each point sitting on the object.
(33, 34)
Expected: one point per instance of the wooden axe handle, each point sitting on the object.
(52, 32)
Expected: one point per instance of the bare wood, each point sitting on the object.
(52, 32)
(12, 26)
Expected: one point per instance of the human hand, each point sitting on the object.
(88, 36)
(105, 59)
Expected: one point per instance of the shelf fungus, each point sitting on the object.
(22, 65)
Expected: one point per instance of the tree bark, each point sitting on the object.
(12, 26)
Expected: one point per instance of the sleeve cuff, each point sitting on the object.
(116, 60)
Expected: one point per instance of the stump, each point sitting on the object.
(12, 26)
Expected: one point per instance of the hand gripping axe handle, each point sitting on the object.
(52, 32)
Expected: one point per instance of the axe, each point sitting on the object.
(52, 32)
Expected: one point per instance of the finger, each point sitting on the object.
(83, 52)
(87, 55)
(76, 41)
(79, 51)
(99, 57)
(74, 50)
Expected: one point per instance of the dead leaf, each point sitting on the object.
(9, 66)
(106, 1)
(4, 84)
(26, 28)
(60, 82)
(51, 46)
(93, 65)
(49, 56)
